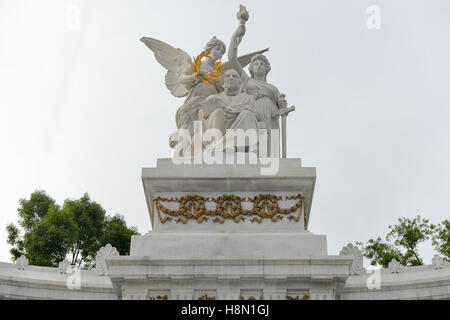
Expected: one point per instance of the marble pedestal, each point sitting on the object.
(229, 232)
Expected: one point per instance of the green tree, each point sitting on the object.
(441, 239)
(380, 252)
(401, 243)
(14, 239)
(51, 238)
(77, 230)
(89, 217)
(34, 209)
(30, 212)
(408, 234)
(116, 232)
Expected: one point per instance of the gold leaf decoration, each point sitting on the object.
(218, 220)
(195, 66)
(296, 298)
(183, 221)
(215, 74)
(229, 207)
(210, 75)
(259, 220)
(165, 297)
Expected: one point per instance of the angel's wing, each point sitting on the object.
(174, 60)
(245, 60)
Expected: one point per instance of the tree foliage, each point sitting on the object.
(34, 209)
(407, 234)
(51, 238)
(441, 239)
(89, 217)
(403, 239)
(115, 230)
(15, 239)
(380, 252)
(75, 231)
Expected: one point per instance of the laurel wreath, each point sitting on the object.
(210, 75)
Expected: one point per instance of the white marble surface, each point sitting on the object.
(49, 283)
(321, 277)
(168, 180)
(423, 282)
(410, 283)
(263, 245)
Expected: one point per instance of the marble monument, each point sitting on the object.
(230, 218)
(227, 230)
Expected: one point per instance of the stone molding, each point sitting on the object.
(353, 251)
(104, 253)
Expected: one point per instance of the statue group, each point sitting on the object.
(223, 98)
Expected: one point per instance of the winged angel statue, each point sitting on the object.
(201, 81)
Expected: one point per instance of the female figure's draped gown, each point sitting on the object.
(265, 106)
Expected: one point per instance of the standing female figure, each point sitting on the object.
(268, 98)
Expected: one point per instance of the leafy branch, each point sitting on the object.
(402, 241)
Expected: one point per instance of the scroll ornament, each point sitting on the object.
(229, 207)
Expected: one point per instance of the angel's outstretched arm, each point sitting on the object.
(233, 50)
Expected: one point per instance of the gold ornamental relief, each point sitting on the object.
(229, 207)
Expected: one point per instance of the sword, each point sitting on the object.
(284, 112)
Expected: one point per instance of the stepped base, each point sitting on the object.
(229, 232)
(143, 278)
(211, 245)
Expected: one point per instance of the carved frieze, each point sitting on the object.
(229, 207)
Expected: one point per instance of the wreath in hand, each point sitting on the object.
(210, 75)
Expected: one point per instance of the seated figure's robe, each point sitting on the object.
(227, 113)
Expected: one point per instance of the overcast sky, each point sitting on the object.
(83, 105)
